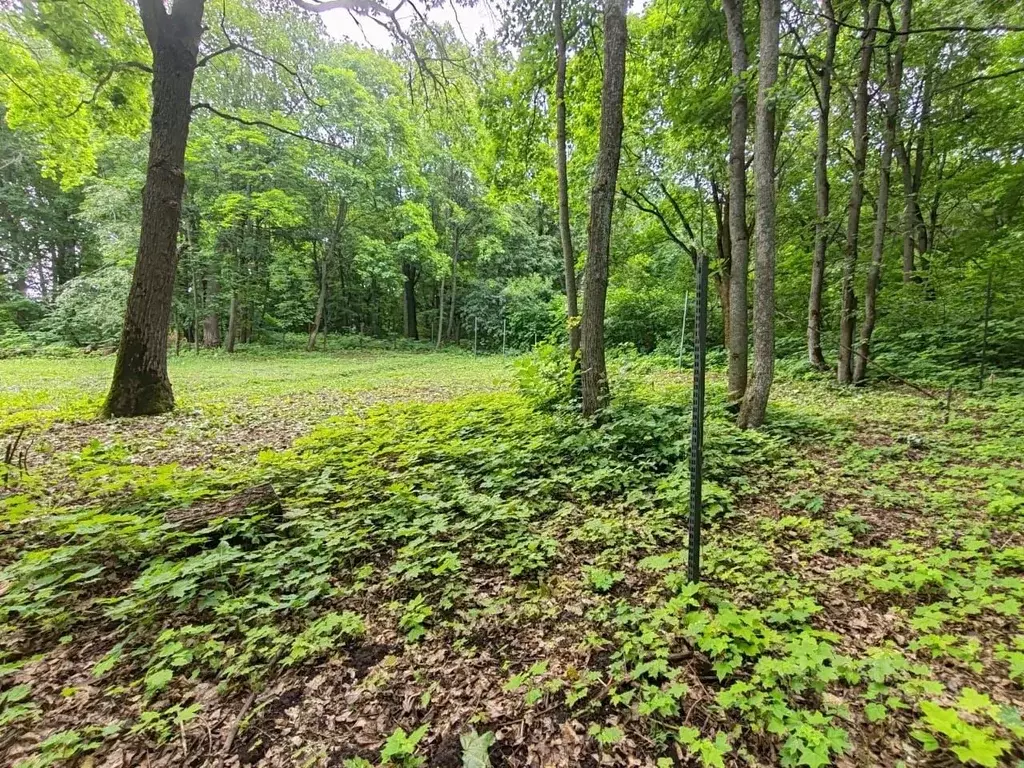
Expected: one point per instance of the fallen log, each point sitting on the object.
(258, 500)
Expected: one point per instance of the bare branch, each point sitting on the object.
(264, 124)
(119, 67)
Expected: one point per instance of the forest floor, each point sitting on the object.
(457, 572)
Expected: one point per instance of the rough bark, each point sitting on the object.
(738, 234)
(140, 385)
(561, 164)
(594, 376)
(894, 80)
(821, 190)
(848, 312)
(755, 399)
(325, 265)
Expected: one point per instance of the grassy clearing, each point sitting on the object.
(457, 562)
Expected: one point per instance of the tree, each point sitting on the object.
(848, 316)
(602, 202)
(821, 188)
(755, 400)
(738, 235)
(564, 214)
(893, 83)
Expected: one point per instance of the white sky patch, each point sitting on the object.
(467, 23)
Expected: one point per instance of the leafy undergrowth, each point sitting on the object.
(477, 576)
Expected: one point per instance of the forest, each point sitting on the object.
(603, 384)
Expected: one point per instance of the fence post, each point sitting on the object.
(697, 423)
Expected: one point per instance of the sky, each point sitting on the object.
(467, 23)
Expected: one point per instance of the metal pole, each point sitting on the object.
(474, 337)
(697, 426)
(682, 333)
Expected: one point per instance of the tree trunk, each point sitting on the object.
(738, 235)
(755, 400)
(211, 323)
(411, 330)
(229, 339)
(561, 166)
(723, 242)
(452, 331)
(594, 377)
(821, 189)
(321, 302)
(140, 384)
(848, 317)
(894, 81)
(440, 314)
(915, 236)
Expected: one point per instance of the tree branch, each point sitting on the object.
(264, 124)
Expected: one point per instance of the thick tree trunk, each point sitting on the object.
(738, 235)
(325, 265)
(821, 190)
(755, 400)
(411, 329)
(848, 317)
(140, 384)
(561, 167)
(894, 81)
(211, 323)
(594, 378)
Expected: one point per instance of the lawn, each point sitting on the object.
(458, 569)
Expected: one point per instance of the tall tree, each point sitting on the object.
(325, 266)
(893, 82)
(561, 162)
(140, 385)
(602, 202)
(755, 400)
(738, 235)
(821, 189)
(848, 311)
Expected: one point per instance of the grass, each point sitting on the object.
(459, 568)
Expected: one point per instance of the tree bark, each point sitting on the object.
(332, 244)
(411, 329)
(594, 378)
(821, 189)
(738, 234)
(140, 385)
(723, 242)
(440, 314)
(229, 338)
(894, 80)
(915, 235)
(561, 167)
(211, 323)
(452, 334)
(755, 399)
(848, 317)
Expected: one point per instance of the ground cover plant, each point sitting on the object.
(458, 568)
